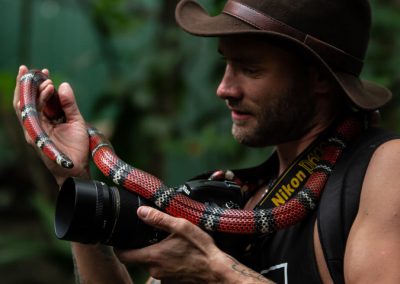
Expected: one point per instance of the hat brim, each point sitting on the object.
(192, 18)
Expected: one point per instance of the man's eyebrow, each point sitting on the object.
(240, 58)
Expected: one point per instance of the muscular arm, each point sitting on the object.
(373, 248)
(98, 264)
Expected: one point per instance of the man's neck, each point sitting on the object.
(288, 152)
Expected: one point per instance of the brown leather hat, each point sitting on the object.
(336, 33)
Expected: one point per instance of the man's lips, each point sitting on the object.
(238, 115)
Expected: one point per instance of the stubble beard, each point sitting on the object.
(285, 118)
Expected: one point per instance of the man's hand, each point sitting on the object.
(70, 137)
(188, 255)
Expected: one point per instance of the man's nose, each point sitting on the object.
(229, 86)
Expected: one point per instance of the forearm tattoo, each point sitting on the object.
(247, 272)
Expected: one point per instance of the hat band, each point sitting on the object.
(331, 54)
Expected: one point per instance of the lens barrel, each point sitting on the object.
(89, 211)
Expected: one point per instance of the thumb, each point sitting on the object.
(68, 102)
(156, 218)
(178, 226)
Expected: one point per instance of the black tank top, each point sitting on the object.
(287, 256)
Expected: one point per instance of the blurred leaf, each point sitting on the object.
(16, 247)
(7, 85)
(46, 213)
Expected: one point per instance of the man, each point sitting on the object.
(292, 71)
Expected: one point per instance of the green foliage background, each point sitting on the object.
(146, 84)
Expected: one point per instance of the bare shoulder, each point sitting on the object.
(373, 247)
(382, 179)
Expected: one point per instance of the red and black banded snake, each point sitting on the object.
(208, 217)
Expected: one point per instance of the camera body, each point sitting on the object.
(89, 211)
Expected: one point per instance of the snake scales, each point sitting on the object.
(208, 217)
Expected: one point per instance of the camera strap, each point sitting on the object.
(288, 184)
(295, 176)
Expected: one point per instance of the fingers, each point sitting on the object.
(16, 102)
(68, 103)
(156, 218)
(46, 71)
(21, 72)
(46, 90)
(186, 245)
(136, 256)
(163, 221)
(177, 226)
(154, 254)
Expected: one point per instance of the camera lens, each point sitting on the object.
(89, 211)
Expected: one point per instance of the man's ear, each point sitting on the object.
(320, 82)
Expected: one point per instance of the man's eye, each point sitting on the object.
(250, 70)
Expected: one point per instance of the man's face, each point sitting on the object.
(267, 90)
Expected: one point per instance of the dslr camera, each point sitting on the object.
(89, 211)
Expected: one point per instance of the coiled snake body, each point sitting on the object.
(167, 199)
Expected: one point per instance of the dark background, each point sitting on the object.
(147, 85)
